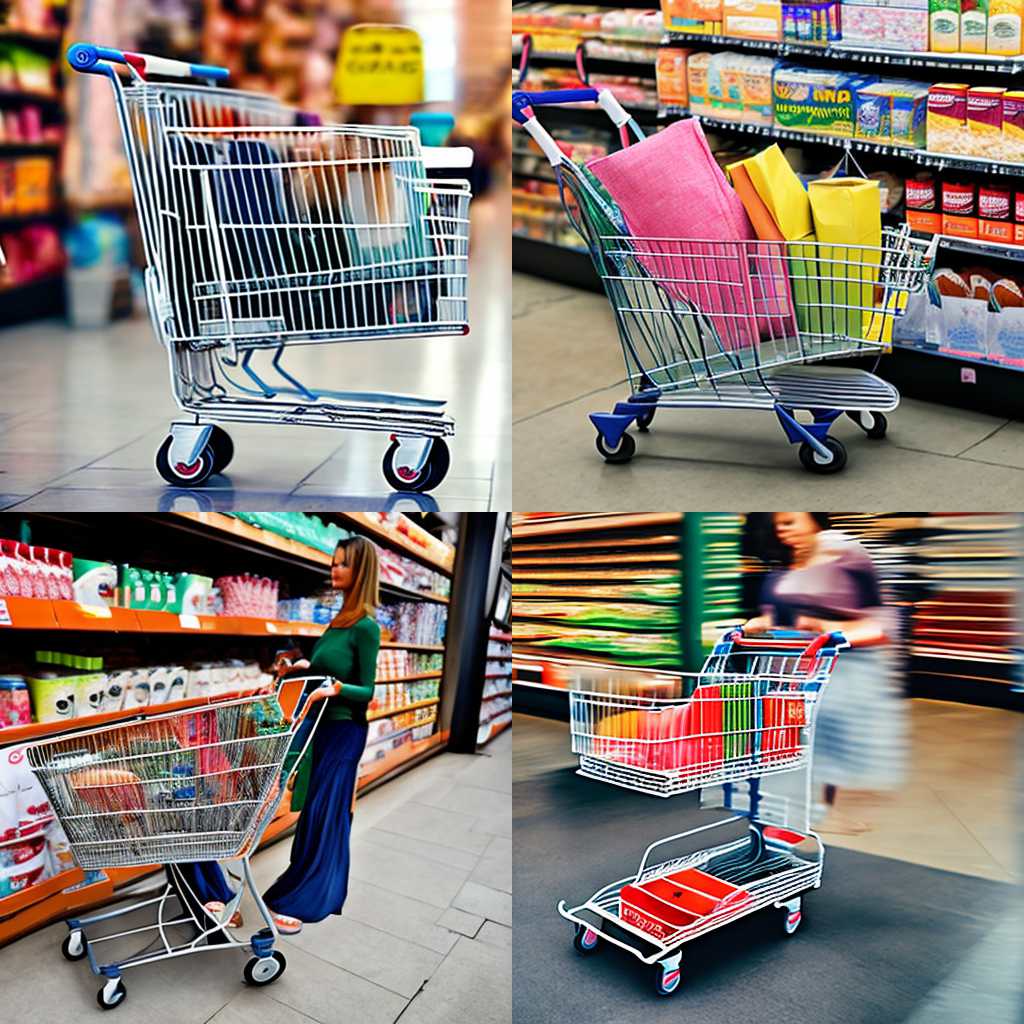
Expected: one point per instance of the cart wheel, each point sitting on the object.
(181, 475)
(112, 994)
(874, 424)
(586, 941)
(73, 947)
(643, 423)
(430, 474)
(264, 970)
(223, 449)
(791, 920)
(666, 979)
(816, 464)
(622, 452)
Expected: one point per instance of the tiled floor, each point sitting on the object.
(568, 363)
(82, 413)
(425, 936)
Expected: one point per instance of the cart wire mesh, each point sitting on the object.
(186, 786)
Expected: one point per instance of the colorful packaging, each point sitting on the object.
(810, 23)
(670, 71)
(959, 212)
(702, 16)
(888, 28)
(873, 113)
(816, 101)
(947, 119)
(95, 582)
(909, 110)
(1013, 126)
(54, 699)
(922, 205)
(697, 81)
(15, 705)
(725, 85)
(1004, 27)
(973, 26)
(944, 25)
(752, 19)
(985, 120)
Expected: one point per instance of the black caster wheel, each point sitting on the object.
(73, 946)
(223, 449)
(816, 463)
(111, 996)
(791, 920)
(181, 475)
(586, 941)
(874, 424)
(427, 477)
(666, 979)
(643, 423)
(622, 452)
(264, 970)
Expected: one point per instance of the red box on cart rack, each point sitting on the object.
(662, 906)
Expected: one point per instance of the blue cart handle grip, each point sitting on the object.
(95, 60)
(522, 101)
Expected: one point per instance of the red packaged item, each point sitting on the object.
(782, 718)
(994, 202)
(664, 906)
(1018, 218)
(922, 205)
(959, 212)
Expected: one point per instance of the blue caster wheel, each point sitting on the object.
(586, 941)
(666, 979)
(622, 452)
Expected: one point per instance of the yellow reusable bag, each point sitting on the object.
(848, 212)
(784, 197)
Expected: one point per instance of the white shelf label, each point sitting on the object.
(271, 626)
(95, 611)
(189, 621)
(5, 615)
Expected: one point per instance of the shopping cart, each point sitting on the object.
(198, 784)
(736, 324)
(263, 229)
(751, 714)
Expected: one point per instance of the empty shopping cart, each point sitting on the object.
(750, 714)
(264, 229)
(737, 324)
(198, 784)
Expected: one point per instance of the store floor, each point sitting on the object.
(915, 920)
(82, 413)
(425, 935)
(568, 363)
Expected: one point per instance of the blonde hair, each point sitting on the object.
(363, 597)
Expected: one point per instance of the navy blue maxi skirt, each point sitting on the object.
(315, 883)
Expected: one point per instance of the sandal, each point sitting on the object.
(215, 909)
(287, 925)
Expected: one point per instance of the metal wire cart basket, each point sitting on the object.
(263, 229)
(751, 714)
(192, 785)
(736, 324)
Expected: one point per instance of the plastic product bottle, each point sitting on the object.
(91, 689)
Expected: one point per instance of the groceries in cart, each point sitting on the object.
(726, 291)
(265, 228)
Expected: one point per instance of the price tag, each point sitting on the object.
(5, 615)
(95, 611)
(271, 626)
(189, 621)
(379, 65)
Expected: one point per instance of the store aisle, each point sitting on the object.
(707, 458)
(82, 413)
(426, 933)
(884, 938)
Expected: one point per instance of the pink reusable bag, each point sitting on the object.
(670, 189)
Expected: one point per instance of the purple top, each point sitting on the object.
(845, 587)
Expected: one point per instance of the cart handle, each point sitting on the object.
(810, 645)
(96, 60)
(296, 707)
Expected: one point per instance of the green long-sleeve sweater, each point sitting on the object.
(350, 656)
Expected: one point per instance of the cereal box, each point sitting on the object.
(947, 118)
(985, 120)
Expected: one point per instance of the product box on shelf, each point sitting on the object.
(1004, 27)
(670, 74)
(697, 82)
(892, 112)
(696, 16)
(887, 28)
(947, 118)
(1013, 126)
(816, 101)
(944, 25)
(959, 209)
(995, 212)
(811, 23)
(752, 19)
(985, 120)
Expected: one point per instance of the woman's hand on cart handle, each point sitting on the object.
(95, 60)
(758, 624)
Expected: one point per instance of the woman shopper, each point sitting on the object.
(825, 581)
(315, 883)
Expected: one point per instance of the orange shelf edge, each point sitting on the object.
(407, 751)
(365, 521)
(374, 715)
(229, 524)
(409, 679)
(389, 645)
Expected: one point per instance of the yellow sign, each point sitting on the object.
(379, 65)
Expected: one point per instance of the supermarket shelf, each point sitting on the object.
(413, 595)
(18, 148)
(499, 693)
(32, 613)
(498, 675)
(14, 219)
(554, 262)
(504, 638)
(976, 246)
(498, 714)
(409, 679)
(398, 757)
(412, 647)
(47, 40)
(27, 96)
(493, 729)
(591, 523)
(374, 715)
